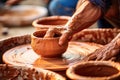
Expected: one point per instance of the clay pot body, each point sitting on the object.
(94, 70)
(47, 47)
(50, 22)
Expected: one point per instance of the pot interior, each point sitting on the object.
(53, 22)
(41, 34)
(96, 70)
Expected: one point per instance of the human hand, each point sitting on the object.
(65, 37)
(12, 2)
(107, 52)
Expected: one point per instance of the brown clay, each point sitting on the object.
(47, 47)
(9, 72)
(24, 54)
(101, 36)
(17, 16)
(94, 70)
(50, 22)
(107, 52)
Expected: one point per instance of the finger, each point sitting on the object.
(111, 54)
(112, 59)
(99, 56)
(50, 33)
(99, 53)
(118, 42)
(64, 38)
(90, 57)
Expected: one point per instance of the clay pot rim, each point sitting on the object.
(71, 74)
(35, 22)
(26, 67)
(33, 36)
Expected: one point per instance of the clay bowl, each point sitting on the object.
(50, 22)
(47, 47)
(94, 70)
(9, 72)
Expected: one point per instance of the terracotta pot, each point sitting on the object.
(94, 70)
(10, 72)
(52, 21)
(47, 47)
(22, 15)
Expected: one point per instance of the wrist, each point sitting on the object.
(69, 30)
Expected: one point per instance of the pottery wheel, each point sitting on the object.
(24, 55)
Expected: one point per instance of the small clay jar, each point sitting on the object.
(47, 47)
(94, 70)
(50, 22)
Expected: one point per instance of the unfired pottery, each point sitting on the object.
(17, 50)
(101, 36)
(10, 72)
(22, 15)
(24, 55)
(50, 22)
(47, 47)
(94, 70)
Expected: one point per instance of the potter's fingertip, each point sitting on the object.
(60, 43)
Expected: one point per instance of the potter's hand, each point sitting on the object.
(12, 2)
(65, 37)
(50, 33)
(106, 52)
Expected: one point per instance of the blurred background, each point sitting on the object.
(22, 30)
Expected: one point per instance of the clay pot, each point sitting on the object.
(10, 72)
(52, 21)
(94, 70)
(47, 47)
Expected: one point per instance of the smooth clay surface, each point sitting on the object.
(47, 47)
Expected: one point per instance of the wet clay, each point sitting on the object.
(8, 72)
(41, 34)
(47, 46)
(53, 22)
(96, 70)
(24, 54)
(50, 22)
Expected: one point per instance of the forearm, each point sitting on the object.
(85, 15)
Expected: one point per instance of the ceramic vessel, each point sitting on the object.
(10, 72)
(22, 15)
(94, 70)
(47, 47)
(52, 21)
